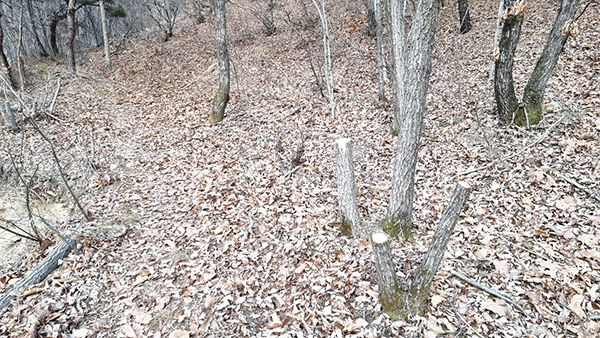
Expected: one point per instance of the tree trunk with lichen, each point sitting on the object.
(533, 94)
(351, 222)
(412, 67)
(504, 89)
(400, 304)
(222, 96)
(530, 110)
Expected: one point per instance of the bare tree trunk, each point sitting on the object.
(222, 97)
(20, 49)
(383, 78)
(72, 29)
(372, 21)
(327, 54)
(412, 70)
(464, 17)
(351, 222)
(506, 100)
(536, 86)
(5, 62)
(33, 28)
(401, 304)
(105, 33)
(419, 290)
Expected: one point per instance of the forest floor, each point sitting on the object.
(208, 231)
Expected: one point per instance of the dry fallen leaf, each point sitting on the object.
(575, 305)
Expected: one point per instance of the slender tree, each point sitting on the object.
(412, 67)
(463, 16)
(72, 29)
(104, 33)
(222, 96)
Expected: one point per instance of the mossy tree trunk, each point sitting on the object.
(401, 304)
(530, 110)
(222, 96)
(536, 86)
(351, 222)
(504, 89)
(412, 67)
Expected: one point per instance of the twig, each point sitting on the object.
(594, 194)
(457, 314)
(54, 99)
(491, 291)
(297, 109)
(538, 140)
(26, 234)
(291, 171)
(62, 174)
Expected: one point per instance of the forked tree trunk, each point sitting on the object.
(412, 69)
(530, 111)
(401, 304)
(72, 29)
(222, 96)
(464, 16)
(104, 33)
(536, 86)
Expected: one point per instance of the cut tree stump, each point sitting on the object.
(400, 304)
(352, 224)
(41, 271)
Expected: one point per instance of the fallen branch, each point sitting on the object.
(297, 109)
(538, 140)
(594, 194)
(40, 272)
(491, 291)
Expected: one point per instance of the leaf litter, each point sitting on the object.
(201, 231)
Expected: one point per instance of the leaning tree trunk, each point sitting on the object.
(53, 28)
(464, 17)
(534, 91)
(222, 96)
(412, 70)
(33, 28)
(504, 90)
(104, 33)
(72, 29)
(401, 304)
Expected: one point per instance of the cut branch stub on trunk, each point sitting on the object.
(352, 224)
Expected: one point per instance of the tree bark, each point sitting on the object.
(401, 304)
(419, 291)
(33, 28)
(412, 70)
(320, 6)
(104, 33)
(5, 62)
(72, 29)
(222, 97)
(58, 17)
(504, 90)
(382, 72)
(351, 222)
(464, 16)
(391, 298)
(41, 271)
(536, 86)
(20, 66)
